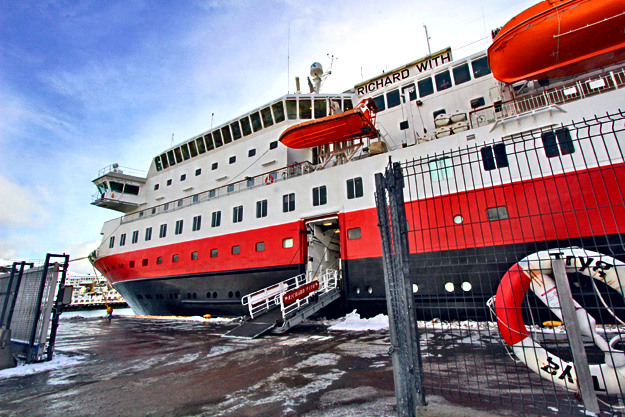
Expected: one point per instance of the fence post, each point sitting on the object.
(405, 349)
(574, 334)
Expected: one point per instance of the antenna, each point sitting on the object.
(212, 118)
(427, 38)
(172, 139)
(288, 61)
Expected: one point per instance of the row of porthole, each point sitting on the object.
(174, 296)
(449, 287)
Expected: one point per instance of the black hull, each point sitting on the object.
(363, 283)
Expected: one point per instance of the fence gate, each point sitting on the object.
(31, 300)
(512, 254)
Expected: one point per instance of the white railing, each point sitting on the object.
(576, 90)
(121, 170)
(298, 290)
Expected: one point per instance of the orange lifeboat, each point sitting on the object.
(559, 38)
(356, 123)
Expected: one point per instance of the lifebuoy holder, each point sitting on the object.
(269, 179)
(534, 272)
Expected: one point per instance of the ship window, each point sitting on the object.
(148, 233)
(198, 171)
(550, 145)
(236, 130)
(159, 260)
(443, 81)
(565, 141)
(216, 219)
(245, 125)
(183, 177)
(347, 104)
(226, 134)
(217, 138)
(122, 239)
(261, 209)
(249, 182)
(354, 233)
(200, 145)
(497, 213)
(178, 229)
(278, 111)
(178, 154)
(480, 67)
(212, 193)
(185, 151)
(214, 166)
(157, 162)
(166, 206)
(163, 231)
(291, 109)
(287, 242)
(461, 74)
(156, 187)
(379, 102)
(320, 108)
(320, 196)
(132, 264)
(164, 161)
(208, 138)
(192, 149)
(144, 262)
(194, 256)
(180, 203)
(260, 246)
(305, 109)
(116, 187)
(174, 258)
(288, 202)
(425, 87)
(251, 153)
(232, 160)
(236, 250)
(111, 241)
(131, 189)
(171, 158)
(273, 145)
(197, 223)
(196, 198)
(441, 169)
(230, 188)
(237, 214)
(437, 112)
(354, 188)
(169, 182)
(392, 99)
(214, 253)
(411, 90)
(267, 119)
(135, 236)
(256, 124)
(494, 157)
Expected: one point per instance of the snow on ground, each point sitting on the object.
(127, 312)
(58, 362)
(353, 322)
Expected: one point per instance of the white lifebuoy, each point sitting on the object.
(534, 272)
(269, 179)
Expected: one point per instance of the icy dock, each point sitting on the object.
(137, 366)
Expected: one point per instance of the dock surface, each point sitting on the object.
(137, 366)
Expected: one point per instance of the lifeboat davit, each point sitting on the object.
(356, 123)
(559, 38)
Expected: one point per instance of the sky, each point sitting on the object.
(84, 84)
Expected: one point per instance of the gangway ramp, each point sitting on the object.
(286, 304)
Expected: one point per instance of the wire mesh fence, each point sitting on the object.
(485, 227)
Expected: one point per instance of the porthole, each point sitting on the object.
(194, 296)
(458, 219)
(370, 290)
(208, 295)
(466, 286)
(237, 294)
(449, 287)
(357, 290)
(230, 294)
(415, 288)
(214, 295)
(189, 295)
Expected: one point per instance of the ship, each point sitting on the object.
(288, 188)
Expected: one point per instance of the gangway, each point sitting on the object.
(286, 304)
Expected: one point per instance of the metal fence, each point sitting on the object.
(510, 257)
(31, 301)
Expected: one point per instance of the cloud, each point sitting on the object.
(24, 208)
(80, 250)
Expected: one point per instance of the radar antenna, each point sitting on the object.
(318, 76)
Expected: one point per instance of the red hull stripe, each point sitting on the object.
(566, 206)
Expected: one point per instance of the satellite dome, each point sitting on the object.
(316, 70)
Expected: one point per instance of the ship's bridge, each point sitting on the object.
(118, 189)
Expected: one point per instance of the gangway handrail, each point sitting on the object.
(262, 301)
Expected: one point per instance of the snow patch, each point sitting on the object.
(353, 322)
(58, 362)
